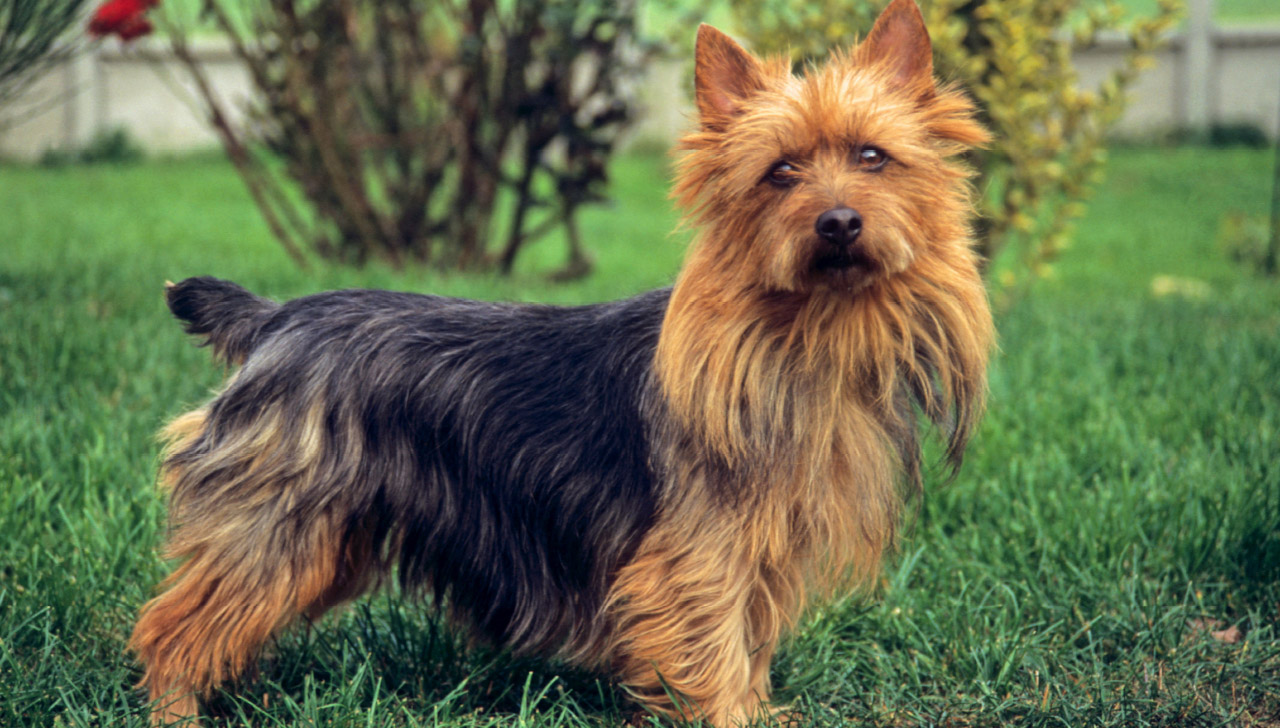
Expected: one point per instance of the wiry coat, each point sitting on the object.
(496, 453)
(652, 487)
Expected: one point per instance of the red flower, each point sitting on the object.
(125, 18)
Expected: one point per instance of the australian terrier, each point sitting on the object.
(651, 488)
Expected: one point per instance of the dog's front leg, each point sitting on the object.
(695, 625)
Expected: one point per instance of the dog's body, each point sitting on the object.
(469, 442)
(652, 488)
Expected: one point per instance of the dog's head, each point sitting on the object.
(834, 179)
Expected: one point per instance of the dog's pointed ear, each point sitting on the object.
(900, 40)
(725, 75)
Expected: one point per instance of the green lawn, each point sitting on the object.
(1229, 12)
(1244, 11)
(1121, 501)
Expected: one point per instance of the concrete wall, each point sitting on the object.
(1245, 84)
(1219, 75)
(141, 88)
(1239, 84)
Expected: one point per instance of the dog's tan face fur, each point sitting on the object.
(867, 131)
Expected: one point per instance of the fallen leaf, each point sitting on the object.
(1231, 635)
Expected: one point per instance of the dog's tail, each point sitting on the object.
(229, 318)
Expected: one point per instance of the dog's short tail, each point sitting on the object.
(229, 318)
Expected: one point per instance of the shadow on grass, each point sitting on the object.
(395, 656)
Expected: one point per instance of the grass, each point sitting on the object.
(1246, 11)
(1230, 12)
(1120, 503)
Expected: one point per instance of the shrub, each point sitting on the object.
(31, 41)
(1238, 134)
(1014, 57)
(112, 146)
(405, 125)
(1252, 241)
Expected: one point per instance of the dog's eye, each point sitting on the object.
(782, 174)
(872, 159)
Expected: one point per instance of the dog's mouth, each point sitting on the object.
(842, 260)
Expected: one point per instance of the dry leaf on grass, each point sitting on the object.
(1231, 635)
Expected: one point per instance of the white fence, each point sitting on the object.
(142, 89)
(1217, 76)
(1204, 75)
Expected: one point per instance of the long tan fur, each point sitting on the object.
(789, 391)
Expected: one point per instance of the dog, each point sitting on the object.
(652, 488)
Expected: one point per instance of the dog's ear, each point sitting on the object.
(900, 40)
(725, 76)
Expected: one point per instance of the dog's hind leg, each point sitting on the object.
(252, 563)
(226, 601)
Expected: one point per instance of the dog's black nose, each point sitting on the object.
(839, 225)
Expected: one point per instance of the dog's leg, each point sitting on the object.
(221, 606)
(696, 620)
(252, 563)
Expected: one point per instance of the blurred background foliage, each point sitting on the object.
(33, 39)
(441, 134)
